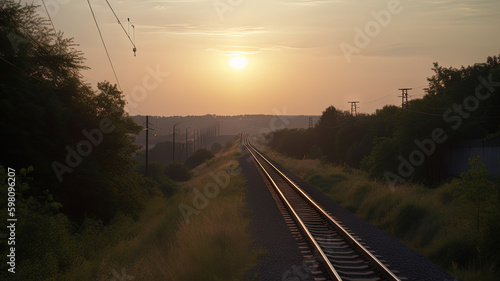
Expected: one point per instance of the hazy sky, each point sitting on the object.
(303, 55)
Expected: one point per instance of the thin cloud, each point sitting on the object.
(202, 29)
(310, 2)
(230, 50)
(459, 12)
(406, 49)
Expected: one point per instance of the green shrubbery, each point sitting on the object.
(198, 157)
(216, 148)
(407, 219)
(456, 225)
(48, 242)
(178, 172)
(325, 183)
(478, 213)
(78, 141)
(376, 142)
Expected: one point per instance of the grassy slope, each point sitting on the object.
(162, 246)
(424, 219)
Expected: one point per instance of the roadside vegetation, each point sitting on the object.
(399, 145)
(395, 167)
(446, 224)
(212, 244)
(85, 209)
(160, 244)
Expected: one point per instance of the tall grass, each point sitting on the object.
(425, 219)
(114, 249)
(215, 244)
(160, 245)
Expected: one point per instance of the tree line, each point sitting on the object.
(78, 140)
(406, 144)
(72, 147)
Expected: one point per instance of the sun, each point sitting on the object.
(238, 62)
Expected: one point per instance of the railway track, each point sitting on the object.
(332, 252)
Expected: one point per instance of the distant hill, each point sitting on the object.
(162, 152)
(215, 126)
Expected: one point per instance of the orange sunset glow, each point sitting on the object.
(301, 54)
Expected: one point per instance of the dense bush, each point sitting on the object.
(198, 157)
(157, 172)
(216, 147)
(479, 205)
(78, 142)
(178, 172)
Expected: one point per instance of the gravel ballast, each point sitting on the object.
(282, 259)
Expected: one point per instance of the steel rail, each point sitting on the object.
(332, 272)
(353, 241)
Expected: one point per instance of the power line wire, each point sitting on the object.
(50, 19)
(106, 49)
(29, 35)
(441, 115)
(133, 27)
(47, 52)
(377, 99)
(380, 98)
(133, 44)
(445, 108)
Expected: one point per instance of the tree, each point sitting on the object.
(451, 105)
(178, 172)
(331, 118)
(216, 147)
(105, 182)
(78, 140)
(198, 157)
(477, 195)
(329, 124)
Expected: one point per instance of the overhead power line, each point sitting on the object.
(404, 97)
(28, 35)
(128, 35)
(104, 44)
(50, 19)
(44, 49)
(441, 115)
(354, 107)
(365, 102)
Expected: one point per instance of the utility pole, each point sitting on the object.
(173, 146)
(207, 135)
(197, 138)
(204, 135)
(404, 97)
(353, 107)
(187, 142)
(310, 122)
(147, 143)
(200, 138)
(194, 140)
